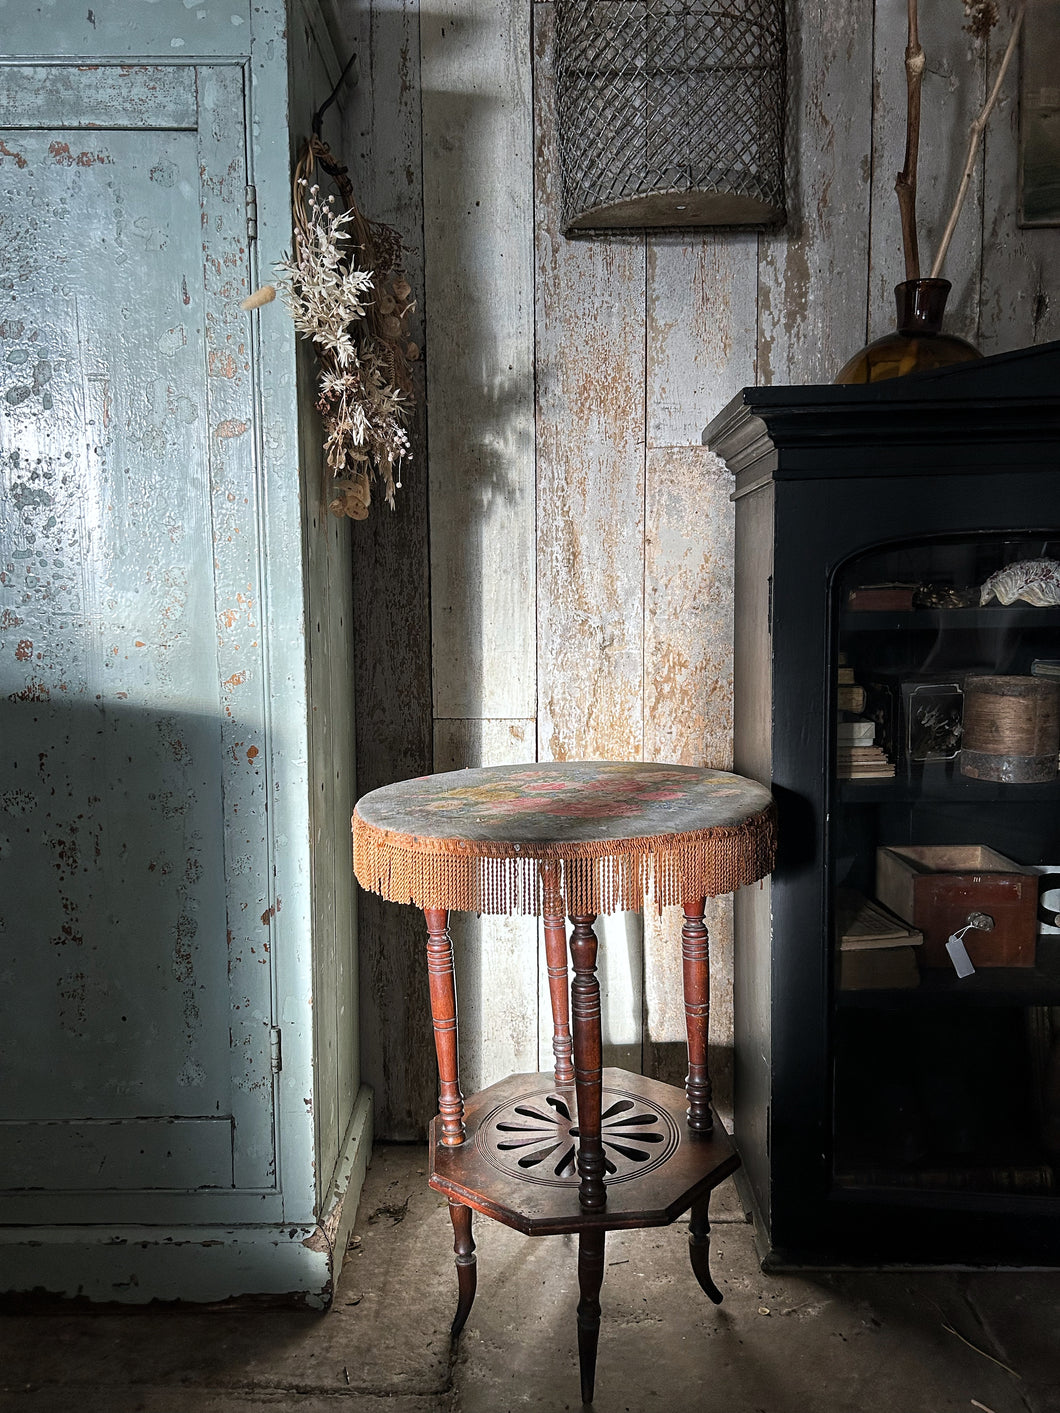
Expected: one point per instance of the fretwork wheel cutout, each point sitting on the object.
(535, 1136)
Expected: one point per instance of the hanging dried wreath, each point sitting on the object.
(344, 287)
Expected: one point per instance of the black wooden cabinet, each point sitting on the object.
(913, 1121)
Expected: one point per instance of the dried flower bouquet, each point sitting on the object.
(345, 290)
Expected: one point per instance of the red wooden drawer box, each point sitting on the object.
(936, 886)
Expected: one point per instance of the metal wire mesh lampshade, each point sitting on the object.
(670, 113)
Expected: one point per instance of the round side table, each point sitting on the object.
(579, 1149)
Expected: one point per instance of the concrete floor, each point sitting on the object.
(836, 1343)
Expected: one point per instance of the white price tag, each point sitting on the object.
(962, 962)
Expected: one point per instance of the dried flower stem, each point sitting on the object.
(1007, 1367)
(905, 184)
(975, 137)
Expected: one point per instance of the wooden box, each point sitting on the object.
(936, 887)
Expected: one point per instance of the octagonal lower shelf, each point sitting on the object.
(517, 1161)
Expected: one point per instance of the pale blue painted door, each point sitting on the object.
(136, 981)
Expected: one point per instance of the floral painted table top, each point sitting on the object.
(471, 839)
(567, 802)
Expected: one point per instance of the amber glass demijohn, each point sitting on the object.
(918, 344)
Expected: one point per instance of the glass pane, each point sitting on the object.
(945, 848)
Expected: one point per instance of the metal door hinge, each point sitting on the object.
(252, 213)
(275, 1052)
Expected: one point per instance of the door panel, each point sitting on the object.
(135, 972)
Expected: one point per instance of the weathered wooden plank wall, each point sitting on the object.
(572, 583)
(382, 142)
(478, 243)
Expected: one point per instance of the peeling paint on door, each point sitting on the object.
(113, 679)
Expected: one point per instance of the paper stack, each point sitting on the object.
(857, 755)
(876, 949)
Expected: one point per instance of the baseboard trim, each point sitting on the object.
(339, 1209)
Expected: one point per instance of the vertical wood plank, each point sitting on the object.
(813, 274)
(244, 573)
(478, 244)
(461, 744)
(392, 667)
(689, 617)
(590, 370)
(1020, 295)
(702, 301)
(688, 720)
(753, 756)
(343, 796)
(952, 95)
(496, 957)
(313, 72)
(322, 724)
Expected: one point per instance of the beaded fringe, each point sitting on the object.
(605, 876)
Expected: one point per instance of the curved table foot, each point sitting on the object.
(466, 1265)
(699, 1249)
(590, 1279)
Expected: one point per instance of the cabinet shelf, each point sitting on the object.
(938, 787)
(989, 986)
(950, 620)
(859, 1186)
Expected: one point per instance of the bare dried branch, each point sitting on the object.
(975, 137)
(905, 184)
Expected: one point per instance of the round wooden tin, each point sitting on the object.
(1011, 729)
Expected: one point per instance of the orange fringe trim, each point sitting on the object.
(603, 876)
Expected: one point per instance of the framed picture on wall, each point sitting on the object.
(1039, 142)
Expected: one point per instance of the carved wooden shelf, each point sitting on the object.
(517, 1163)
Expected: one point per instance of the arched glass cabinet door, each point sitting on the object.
(945, 869)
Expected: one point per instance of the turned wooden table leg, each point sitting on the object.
(442, 977)
(695, 958)
(590, 1279)
(588, 1065)
(699, 1248)
(556, 961)
(466, 1266)
(443, 1013)
(592, 1195)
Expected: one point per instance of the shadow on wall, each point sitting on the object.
(415, 707)
(127, 992)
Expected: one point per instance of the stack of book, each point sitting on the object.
(877, 951)
(857, 755)
(851, 697)
(896, 598)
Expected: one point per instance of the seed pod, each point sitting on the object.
(264, 294)
(359, 493)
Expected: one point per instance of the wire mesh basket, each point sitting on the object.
(670, 113)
